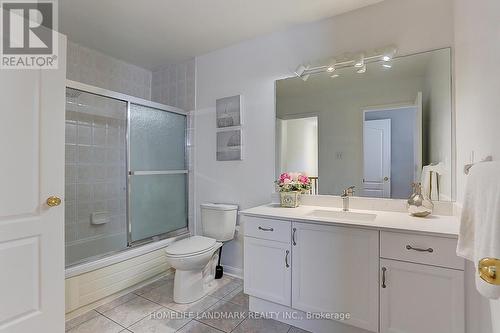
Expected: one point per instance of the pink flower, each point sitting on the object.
(303, 179)
(285, 178)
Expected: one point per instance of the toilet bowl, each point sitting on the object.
(191, 255)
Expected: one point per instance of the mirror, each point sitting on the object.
(380, 130)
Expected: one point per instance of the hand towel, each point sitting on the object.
(480, 221)
(429, 180)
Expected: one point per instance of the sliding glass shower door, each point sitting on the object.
(126, 174)
(157, 173)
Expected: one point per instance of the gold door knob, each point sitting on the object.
(53, 201)
(488, 270)
(386, 179)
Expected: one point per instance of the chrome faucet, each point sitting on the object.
(346, 193)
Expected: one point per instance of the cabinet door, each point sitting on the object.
(419, 298)
(335, 269)
(267, 270)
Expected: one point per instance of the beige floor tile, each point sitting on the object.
(161, 321)
(238, 297)
(99, 324)
(163, 294)
(195, 307)
(197, 327)
(116, 302)
(223, 286)
(132, 311)
(155, 284)
(80, 319)
(250, 325)
(297, 330)
(224, 316)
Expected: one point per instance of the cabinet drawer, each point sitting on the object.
(428, 250)
(267, 229)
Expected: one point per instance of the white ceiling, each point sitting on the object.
(150, 33)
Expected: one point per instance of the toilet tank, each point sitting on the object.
(219, 220)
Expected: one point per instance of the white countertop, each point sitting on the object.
(386, 220)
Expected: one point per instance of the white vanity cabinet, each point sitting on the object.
(267, 259)
(419, 298)
(335, 269)
(422, 284)
(386, 281)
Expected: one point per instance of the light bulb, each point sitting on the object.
(361, 70)
(359, 61)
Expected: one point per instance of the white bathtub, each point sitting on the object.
(93, 281)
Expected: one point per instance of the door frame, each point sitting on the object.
(397, 106)
(278, 149)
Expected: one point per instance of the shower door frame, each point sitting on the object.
(129, 100)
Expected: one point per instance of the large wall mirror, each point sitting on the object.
(381, 130)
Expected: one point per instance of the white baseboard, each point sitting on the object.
(233, 271)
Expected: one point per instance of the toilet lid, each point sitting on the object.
(190, 245)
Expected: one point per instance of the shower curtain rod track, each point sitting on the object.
(123, 97)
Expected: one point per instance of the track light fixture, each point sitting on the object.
(357, 62)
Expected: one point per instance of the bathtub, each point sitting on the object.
(90, 283)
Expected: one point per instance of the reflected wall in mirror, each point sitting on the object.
(380, 130)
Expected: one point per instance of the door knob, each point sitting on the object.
(386, 179)
(488, 270)
(53, 201)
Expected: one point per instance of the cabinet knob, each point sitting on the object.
(53, 201)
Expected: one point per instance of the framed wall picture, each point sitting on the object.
(229, 145)
(228, 111)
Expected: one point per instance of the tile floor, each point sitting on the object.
(151, 309)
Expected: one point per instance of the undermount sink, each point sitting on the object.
(341, 215)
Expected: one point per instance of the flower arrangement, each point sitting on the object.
(293, 182)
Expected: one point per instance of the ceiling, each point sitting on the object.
(150, 33)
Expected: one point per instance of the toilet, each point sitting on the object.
(190, 256)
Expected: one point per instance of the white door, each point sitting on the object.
(32, 170)
(417, 149)
(377, 158)
(335, 269)
(420, 298)
(267, 271)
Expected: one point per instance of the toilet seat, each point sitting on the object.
(190, 246)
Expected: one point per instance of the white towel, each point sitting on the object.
(480, 222)
(429, 180)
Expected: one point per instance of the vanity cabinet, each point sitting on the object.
(422, 284)
(267, 257)
(387, 282)
(418, 298)
(335, 269)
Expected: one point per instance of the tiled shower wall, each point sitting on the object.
(95, 175)
(170, 84)
(175, 85)
(95, 68)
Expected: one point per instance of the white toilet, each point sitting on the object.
(191, 255)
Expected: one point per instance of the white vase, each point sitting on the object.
(290, 199)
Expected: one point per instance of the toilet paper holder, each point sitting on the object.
(489, 270)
